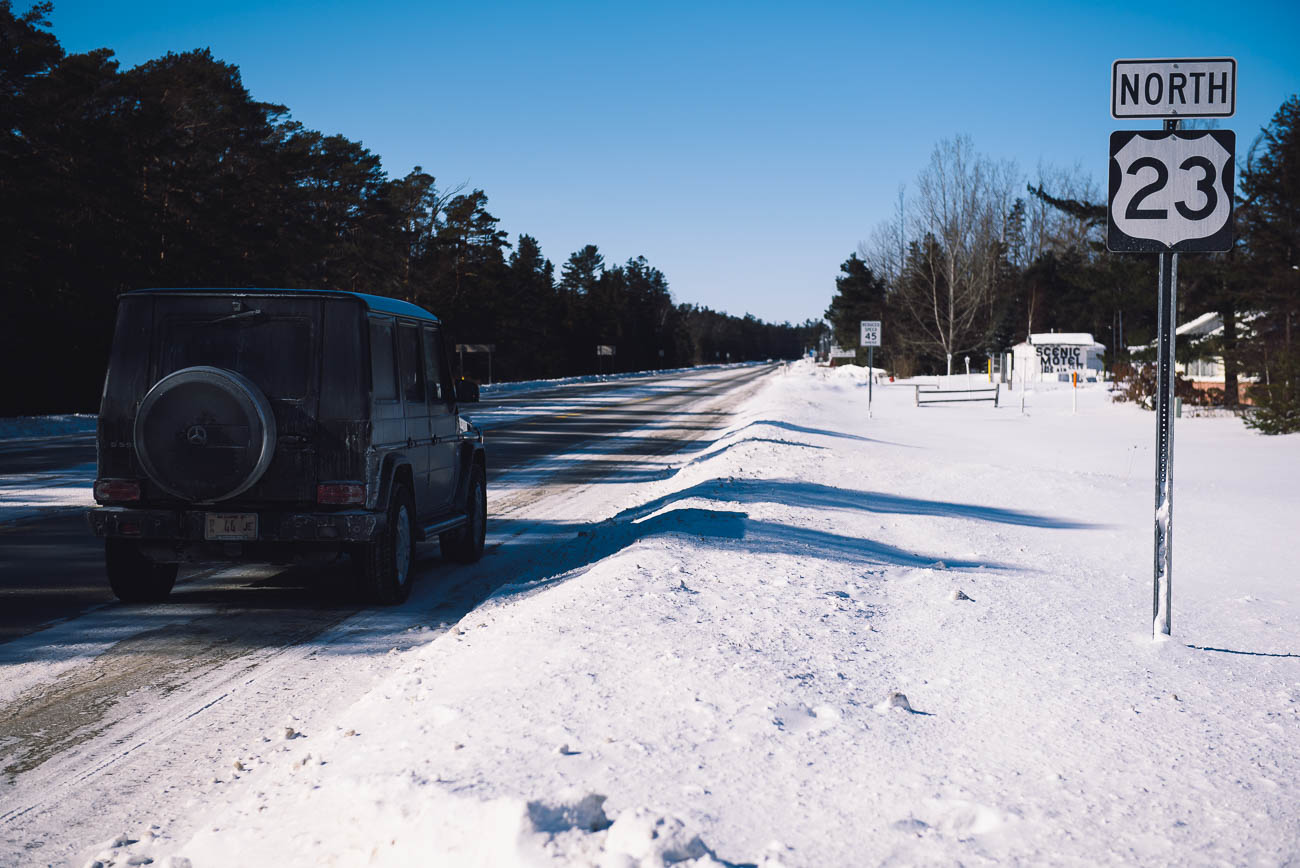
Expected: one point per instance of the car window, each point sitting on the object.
(383, 378)
(412, 367)
(432, 365)
(273, 352)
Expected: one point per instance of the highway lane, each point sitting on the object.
(123, 717)
(45, 454)
(51, 568)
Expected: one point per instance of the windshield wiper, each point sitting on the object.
(240, 315)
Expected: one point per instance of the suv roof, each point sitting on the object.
(377, 303)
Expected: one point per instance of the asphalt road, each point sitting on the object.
(51, 569)
(122, 717)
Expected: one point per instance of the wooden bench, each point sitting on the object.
(935, 395)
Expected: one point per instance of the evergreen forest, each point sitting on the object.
(170, 174)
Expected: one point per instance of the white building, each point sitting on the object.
(1055, 355)
(1206, 370)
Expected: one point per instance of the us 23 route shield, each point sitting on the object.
(1170, 191)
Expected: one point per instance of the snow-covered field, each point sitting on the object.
(919, 638)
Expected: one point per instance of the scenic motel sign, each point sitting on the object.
(1170, 192)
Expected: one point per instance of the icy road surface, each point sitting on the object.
(811, 639)
(127, 713)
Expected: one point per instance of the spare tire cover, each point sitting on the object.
(205, 434)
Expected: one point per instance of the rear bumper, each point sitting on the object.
(186, 526)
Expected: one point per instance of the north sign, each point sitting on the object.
(1186, 88)
(1170, 191)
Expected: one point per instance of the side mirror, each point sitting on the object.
(466, 391)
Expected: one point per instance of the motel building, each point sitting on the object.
(1206, 369)
(1054, 356)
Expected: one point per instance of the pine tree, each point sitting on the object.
(1270, 183)
(859, 295)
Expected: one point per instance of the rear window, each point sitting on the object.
(273, 352)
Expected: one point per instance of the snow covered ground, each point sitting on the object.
(920, 638)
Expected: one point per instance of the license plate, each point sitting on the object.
(231, 525)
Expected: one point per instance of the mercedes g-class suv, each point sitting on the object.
(276, 425)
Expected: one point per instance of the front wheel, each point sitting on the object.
(135, 578)
(465, 544)
(383, 567)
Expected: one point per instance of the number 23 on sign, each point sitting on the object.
(1171, 190)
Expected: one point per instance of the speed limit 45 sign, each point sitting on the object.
(1171, 191)
(869, 335)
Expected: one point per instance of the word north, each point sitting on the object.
(1174, 88)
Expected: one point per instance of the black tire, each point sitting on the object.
(135, 578)
(385, 567)
(205, 434)
(465, 544)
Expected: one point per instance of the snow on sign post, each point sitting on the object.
(870, 338)
(1170, 192)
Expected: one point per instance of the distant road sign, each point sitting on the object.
(1170, 190)
(604, 350)
(476, 348)
(838, 353)
(1186, 88)
(870, 336)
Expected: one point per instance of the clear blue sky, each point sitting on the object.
(743, 148)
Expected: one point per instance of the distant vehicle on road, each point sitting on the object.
(278, 425)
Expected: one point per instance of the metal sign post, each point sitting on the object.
(1170, 191)
(1162, 586)
(869, 337)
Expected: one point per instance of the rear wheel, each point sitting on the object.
(135, 578)
(465, 544)
(384, 566)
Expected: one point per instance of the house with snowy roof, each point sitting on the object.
(1054, 356)
(1205, 368)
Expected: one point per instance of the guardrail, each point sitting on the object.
(935, 395)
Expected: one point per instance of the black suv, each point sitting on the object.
(275, 425)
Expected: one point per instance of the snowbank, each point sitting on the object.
(922, 638)
(28, 495)
(40, 427)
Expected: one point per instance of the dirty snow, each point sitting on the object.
(29, 495)
(921, 638)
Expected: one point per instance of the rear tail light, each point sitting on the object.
(116, 490)
(340, 493)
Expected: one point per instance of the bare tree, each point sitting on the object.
(885, 252)
(960, 210)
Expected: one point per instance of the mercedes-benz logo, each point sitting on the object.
(197, 435)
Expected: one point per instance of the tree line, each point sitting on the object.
(171, 174)
(975, 258)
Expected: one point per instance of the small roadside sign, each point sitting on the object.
(870, 336)
(1204, 87)
(1170, 191)
(604, 350)
(838, 353)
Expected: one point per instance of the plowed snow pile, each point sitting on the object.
(920, 638)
